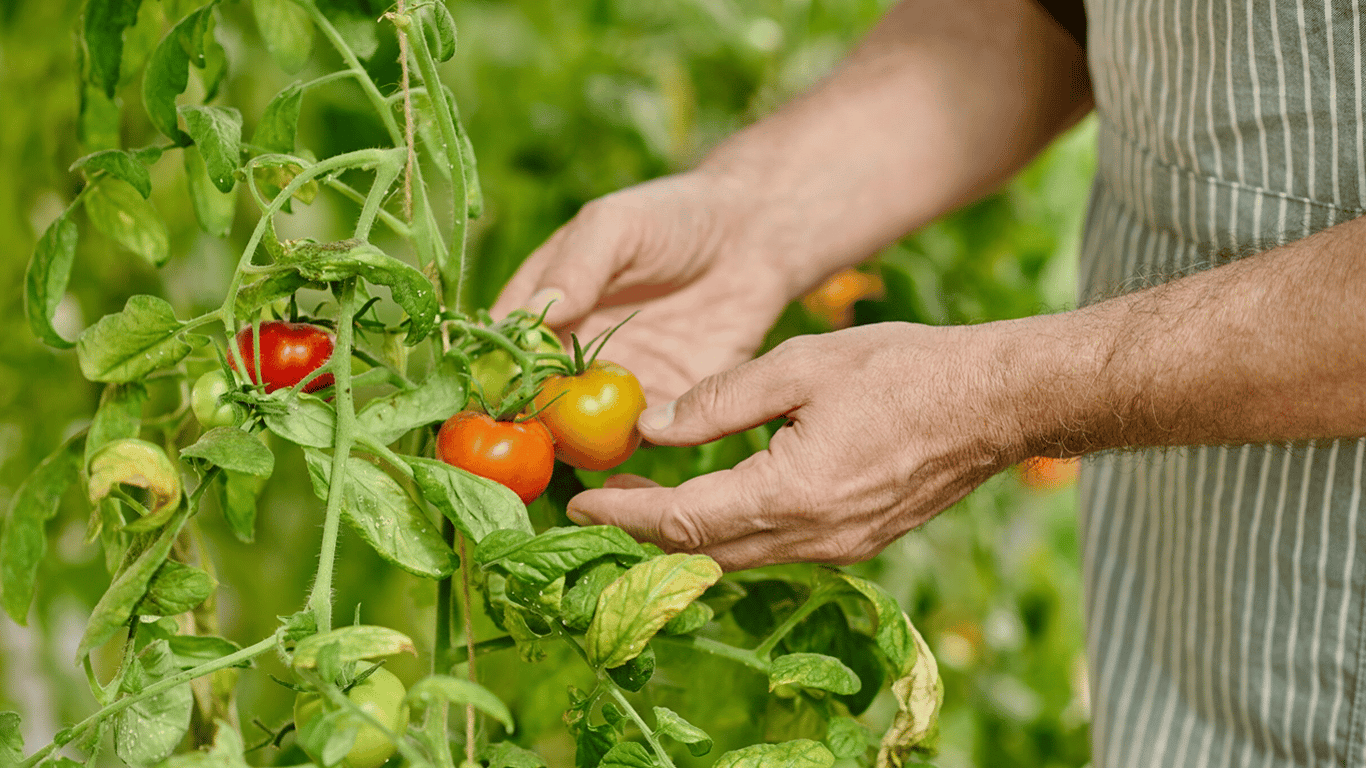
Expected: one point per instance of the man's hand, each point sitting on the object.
(667, 247)
(888, 425)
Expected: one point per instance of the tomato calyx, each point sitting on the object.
(508, 360)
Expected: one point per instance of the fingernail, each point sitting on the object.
(577, 517)
(545, 296)
(659, 417)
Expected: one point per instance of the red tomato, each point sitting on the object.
(520, 455)
(592, 416)
(289, 353)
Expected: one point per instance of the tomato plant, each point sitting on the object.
(517, 454)
(494, 583)
(288, 354)
(379, 697)
(592, 415)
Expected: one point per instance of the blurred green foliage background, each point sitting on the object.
(564, 101)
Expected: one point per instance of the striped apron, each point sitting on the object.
(1224, 586)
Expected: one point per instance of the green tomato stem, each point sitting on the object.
(390, 220)
(820, 596)
(645, 730)
(384, 178)
(366, 83)
(320, 599)
(715, 648)
(155, 689)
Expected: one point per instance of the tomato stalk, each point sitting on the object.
(320, 599)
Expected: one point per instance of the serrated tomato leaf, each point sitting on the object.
(670, 723)
(306, 420)
(217, 132)
(233, 449)
(555, 552)
(441, 395)
(641, 601)
(580, 601)
(121, 164)
(105, 21)
(354, 643)
(478, 506)
(126, 346)
(330, 262)
(175, 589)
(381, 512)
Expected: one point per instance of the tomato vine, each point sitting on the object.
(596, 590)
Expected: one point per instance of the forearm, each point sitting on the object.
(1268, 348)
(941, 103)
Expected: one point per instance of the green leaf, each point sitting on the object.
(813, 670)
(580, 601)
(280, 120)
(227, 752)
(175, 589)
(435, 689)
(148, 731)
(693, 618)
(105, 21)
(192, 650)
(330, 262)
(670, 723)
(802, 753)
(23, 538)
(115, 607)
(381, 512)
(894, 630)
(478, 506)
(119, 417)
(634, 674)
(45, 280)
(846, 737)
(120, 164)
(628, 754)
(214, 210)
(267, 290)
(237, 497)
(639, 603)
(233, 449)
(141, 464)
(126, 346)
(12, 739)
(352, 643)
(306, 421)
(117, 210)
(441, 395)
(217, 132)
(168, 70)
(555, 552)
(505, 754)
(97, 125)
(287, 32)
(441, 33)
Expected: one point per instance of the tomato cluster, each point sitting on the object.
(585, 419)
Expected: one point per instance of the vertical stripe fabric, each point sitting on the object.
(1225, 587)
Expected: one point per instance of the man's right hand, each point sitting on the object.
(673, 250)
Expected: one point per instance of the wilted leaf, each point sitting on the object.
(23, 539)
(919, 694)
(105, 21)
(140, 464)
(639, 603)
(330, 262)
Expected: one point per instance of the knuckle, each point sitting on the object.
(681, 533)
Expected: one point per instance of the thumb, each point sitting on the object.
(731, 401)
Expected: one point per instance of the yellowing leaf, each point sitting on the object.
(639, 603)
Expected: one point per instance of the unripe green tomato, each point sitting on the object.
(208, 406)
(494, 371)
(381, 696)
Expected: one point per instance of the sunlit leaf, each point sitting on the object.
(352, 643)
(639, 603)
(441, 395)
(670, 723)
(126, 346)
(542, 559)
(141, 464)
(813, 670)
(478, 506)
